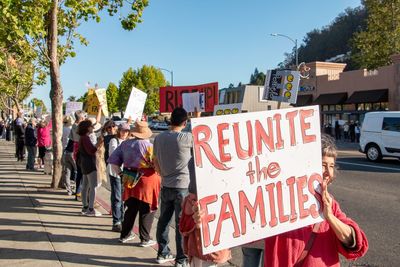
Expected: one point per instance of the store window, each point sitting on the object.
(349, 107)
(376, 106)
(391, 124)
(331, 107)
(339, 107)
(360, 106)
(325, 107)
(385, 106)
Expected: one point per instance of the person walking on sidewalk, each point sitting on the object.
(117, 206)
(30, 143)
(141, 183)
(172, 152)
(86, 159)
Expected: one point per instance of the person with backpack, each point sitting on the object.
(117, 206)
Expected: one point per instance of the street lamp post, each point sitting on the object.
(171, 73)
(295, 45)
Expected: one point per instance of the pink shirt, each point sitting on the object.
(43, 136)
(285, 249)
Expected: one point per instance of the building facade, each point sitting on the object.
(347, 96)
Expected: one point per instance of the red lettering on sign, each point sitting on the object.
(271, 196)
(290, 117)
(279, 141)
(203, 144)
(222, 142)
(313, 208)
(224, 215)
(301, 197)
(305, 113)
(241, 153)
(251, 210)
(290, 182)
(207, 218)
(281, 209)
(262, 137)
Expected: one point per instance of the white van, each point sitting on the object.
(380, 135)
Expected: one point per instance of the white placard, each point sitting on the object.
(71, 107)
(256, 174)
(281, 85)
(227, 109)
(190, 101)
(136, 102)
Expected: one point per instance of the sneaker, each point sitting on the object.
(128, 238)
(84, 211)
(163, 259)
(182, 264)
(148, 243)
(93, 213)
(117, 227)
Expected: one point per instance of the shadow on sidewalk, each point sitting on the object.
(75, 258)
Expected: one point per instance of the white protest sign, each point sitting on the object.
(281, 85)
(71, 107)
(227, 109)
(136, 102)
(190, 101)
(102, 97)
(256, 174)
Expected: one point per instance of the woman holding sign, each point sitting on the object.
(319, 244)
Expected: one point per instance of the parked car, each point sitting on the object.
(160, 126)
(380, 135)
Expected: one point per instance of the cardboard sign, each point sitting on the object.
(227, 109)
(193, 100)
(257, 174)
(171, 96)
(71, 107)
(102, 97)
(94, 98)
(281, 85)
(136, 102)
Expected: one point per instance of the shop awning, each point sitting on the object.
(331, 99)
(304, 100)
(369, 96)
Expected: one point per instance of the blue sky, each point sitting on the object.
(201, 41)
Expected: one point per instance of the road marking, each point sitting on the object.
(365, 165)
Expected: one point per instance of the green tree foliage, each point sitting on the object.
(71, 98)
(257, 78)
(112, 98)
(374, 46)
(330, 41)
(48, 28)
(39, 103)
(148, 79)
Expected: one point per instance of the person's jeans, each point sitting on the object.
(171, 201)
(69, 170)
(89, 186)
(252, 257)
(30, 164)
(78, 180)
(117, 206)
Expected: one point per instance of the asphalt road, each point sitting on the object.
(369, 193)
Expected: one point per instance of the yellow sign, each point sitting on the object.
(94, 98)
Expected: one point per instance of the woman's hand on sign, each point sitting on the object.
(327, 200)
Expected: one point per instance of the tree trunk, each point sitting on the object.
(56, 94)
(16, 103)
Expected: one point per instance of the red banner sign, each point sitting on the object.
(171, 96)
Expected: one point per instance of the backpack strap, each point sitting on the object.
(308, 246)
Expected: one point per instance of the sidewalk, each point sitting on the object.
(40, 226)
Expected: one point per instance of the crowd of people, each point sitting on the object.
(146, 176)
(346, 131)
